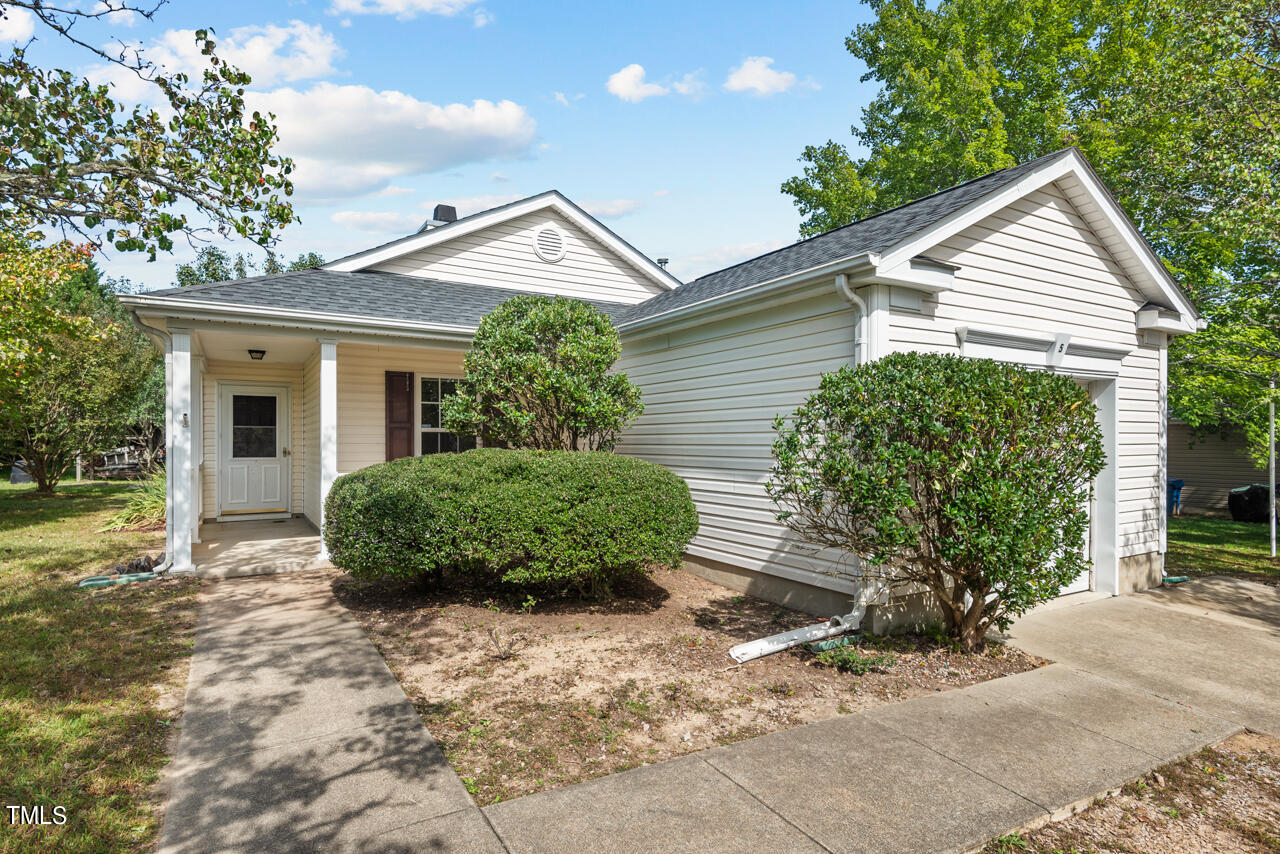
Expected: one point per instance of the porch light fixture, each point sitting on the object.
(257, 355)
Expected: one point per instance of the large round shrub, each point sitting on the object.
(558, 521)
(967, 477)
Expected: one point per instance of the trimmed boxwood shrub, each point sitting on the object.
(557, 521)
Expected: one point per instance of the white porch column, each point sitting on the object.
(328, 425)
(197, 443)
(179, 457)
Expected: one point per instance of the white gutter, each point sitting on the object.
(295, 318)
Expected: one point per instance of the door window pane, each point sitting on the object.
(253, 426)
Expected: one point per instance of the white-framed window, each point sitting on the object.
(432, 438)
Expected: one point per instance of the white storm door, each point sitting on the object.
(253, 450)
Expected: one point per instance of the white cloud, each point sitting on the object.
(114, 14)
(629, 84)
(482, 18)
(16, 25)
(691, 84)
(393, 190)
(754, 75)
(378, 222)
(499, 178)
(468, 205)
(402, 9)
(351, 140)
(610, 208)
(567, 100)
(270, 54)
(660, 193)
(690, 267)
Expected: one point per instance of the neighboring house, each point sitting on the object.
(1210, 467)
(281, 383)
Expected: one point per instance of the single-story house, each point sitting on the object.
(1210, 467)
(278, 384)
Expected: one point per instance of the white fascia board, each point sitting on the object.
(917, 274)
(292, 318)
(1159, 320)
(853, 266)
(1082, 357)
(468, 225)
(1072, 164)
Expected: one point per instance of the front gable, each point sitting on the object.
(543, 244)
(506, 255)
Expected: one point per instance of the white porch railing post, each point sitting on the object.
(180, 458)
(328, 425)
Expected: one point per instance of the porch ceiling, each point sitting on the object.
(227, 346)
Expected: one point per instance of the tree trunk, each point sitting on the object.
(973, 628)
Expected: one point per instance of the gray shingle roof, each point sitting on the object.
(398, 297)
(873, 234)
(365, 294)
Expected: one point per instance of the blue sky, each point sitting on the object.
(390, 106)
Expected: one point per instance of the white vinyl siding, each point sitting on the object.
(1037, 266)
(1210, 468)
(249, 372)
(362, 414)
(503, 256)
(710, 395)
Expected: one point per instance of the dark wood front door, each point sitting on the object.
(399, 414)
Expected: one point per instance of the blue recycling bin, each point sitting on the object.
(1174, 503)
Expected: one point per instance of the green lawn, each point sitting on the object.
(80, 671)
(1199, 546)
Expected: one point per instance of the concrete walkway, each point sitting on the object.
(296, 736)
(1138, 681)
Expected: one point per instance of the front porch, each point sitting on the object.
(261, 422)
(263, 547)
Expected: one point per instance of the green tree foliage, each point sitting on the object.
(75, 158)
(538, 375)
(213, 264)
(306, 261)
(84, 396)
(34, 316)
(554, 521)
(1173, 101)
(965, 476)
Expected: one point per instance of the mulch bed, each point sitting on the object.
(525, 696)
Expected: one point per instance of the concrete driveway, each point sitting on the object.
(296, 737)
(1212, 645)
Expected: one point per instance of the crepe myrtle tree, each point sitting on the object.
(539, 375)
(967, 477)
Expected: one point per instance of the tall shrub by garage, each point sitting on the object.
(556, 521)
(965, 476)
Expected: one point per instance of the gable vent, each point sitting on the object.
(549, 243)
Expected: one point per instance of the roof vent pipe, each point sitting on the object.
(663, 262)
(445, 213)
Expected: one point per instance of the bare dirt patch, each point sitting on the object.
(1224, 800)
(526, 696)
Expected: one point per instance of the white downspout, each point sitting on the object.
(860, 325)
